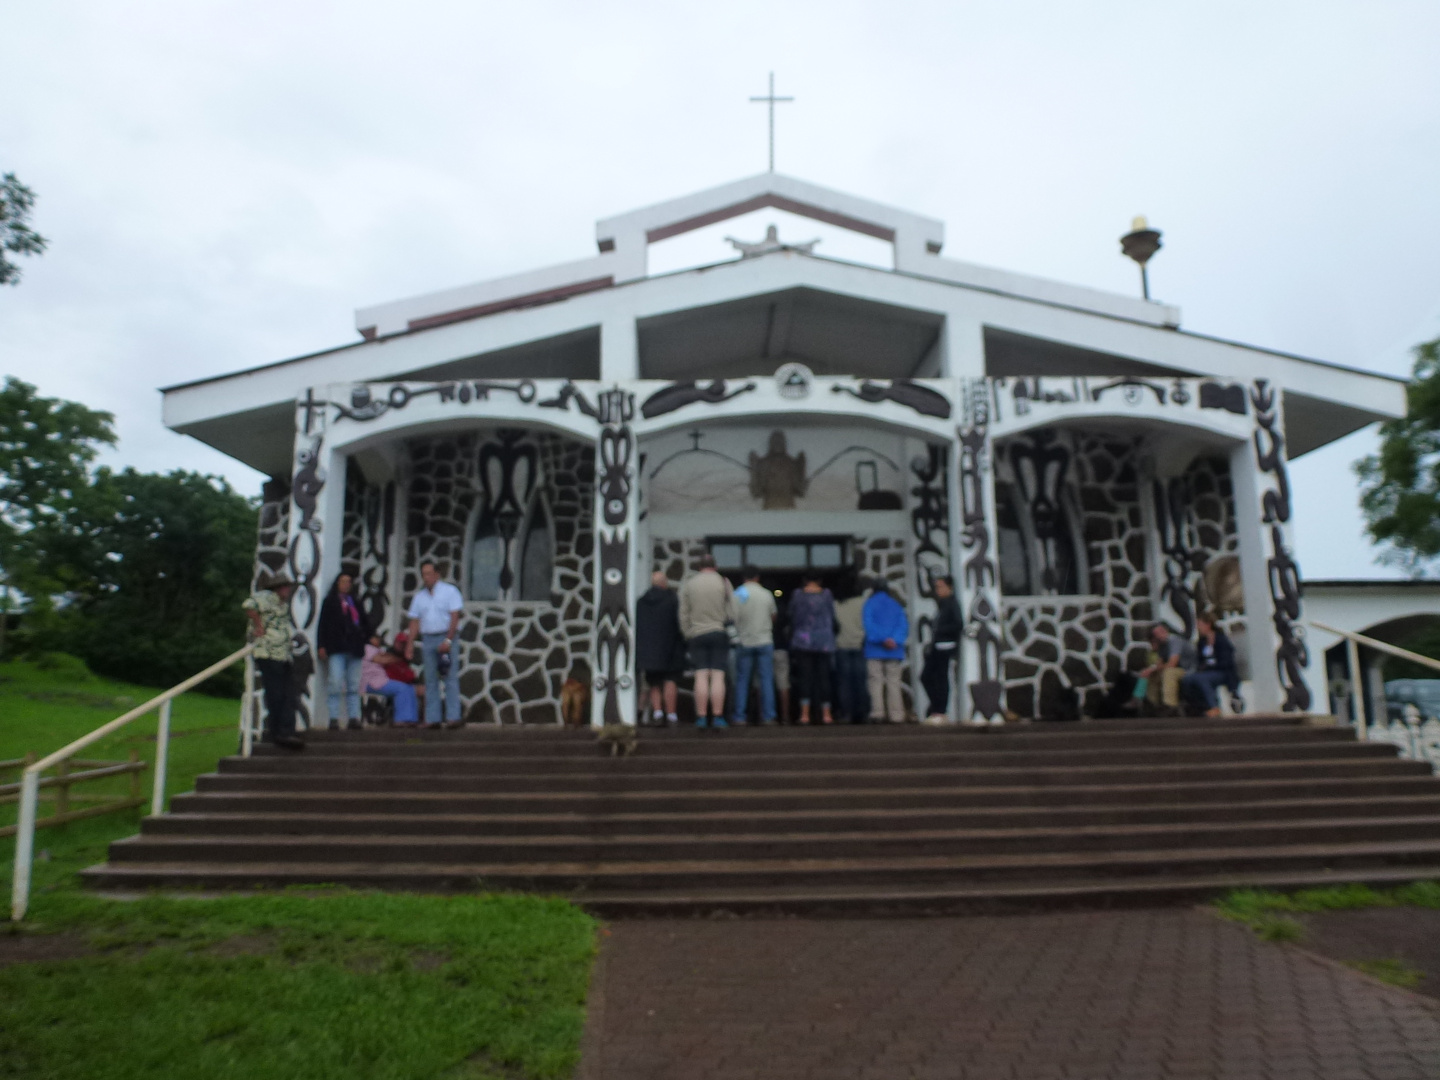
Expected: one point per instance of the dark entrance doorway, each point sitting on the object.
(785, 560)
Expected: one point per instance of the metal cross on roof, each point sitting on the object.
(770, 99)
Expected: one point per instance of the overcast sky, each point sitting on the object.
(224, 183)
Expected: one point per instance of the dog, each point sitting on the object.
(620, 738)
(575, 703)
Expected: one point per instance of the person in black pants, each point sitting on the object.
(935, 675)
(272, 633)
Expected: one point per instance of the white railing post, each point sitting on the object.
(24, 842)
(162, 759)
(1357, 689)
(247, 709)
(30, 778)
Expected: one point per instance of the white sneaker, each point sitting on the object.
(935, 720)
(996, 721)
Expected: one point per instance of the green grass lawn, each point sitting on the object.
(311, 983)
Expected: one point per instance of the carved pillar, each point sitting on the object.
(928, 549)
(1279, 655)
(977, 576)
(616, 513)
(317, 521)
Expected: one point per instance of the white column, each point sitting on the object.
(317, 522)
(977, 573)
(962, 347)
(619, 349)
(617, 476)
(1279, 656)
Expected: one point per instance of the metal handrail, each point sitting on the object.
(1353, 641)
(30, 778)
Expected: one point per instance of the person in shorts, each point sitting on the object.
(659, 646)
(707, 609)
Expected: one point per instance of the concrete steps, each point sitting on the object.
(843, 819)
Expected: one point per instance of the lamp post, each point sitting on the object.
(1140, 243)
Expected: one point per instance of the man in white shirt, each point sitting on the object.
(435, 616)
(755, 649)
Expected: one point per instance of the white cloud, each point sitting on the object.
(224, 183)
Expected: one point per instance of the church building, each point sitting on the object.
(1082, 465)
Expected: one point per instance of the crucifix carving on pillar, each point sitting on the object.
(770, 99)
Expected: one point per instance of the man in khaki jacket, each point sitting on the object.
(707, 605)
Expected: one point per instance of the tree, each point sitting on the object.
(1400, 486)
(46, 448)
(169, 561)
(16, 237)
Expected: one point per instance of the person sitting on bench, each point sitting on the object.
(1171, 659)
(374, 679)
(1216, 668)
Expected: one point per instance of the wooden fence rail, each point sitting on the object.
(64, 779)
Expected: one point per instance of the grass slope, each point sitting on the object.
(313, 983)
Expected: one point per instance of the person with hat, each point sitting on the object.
(272, 633)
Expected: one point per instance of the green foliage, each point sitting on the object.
(170, 560)
(1400, 486)
(141, 575)
(1269, 913)
(50, 701)
(1393, 971)
(16, 237)
(46, 448)
(317, 983)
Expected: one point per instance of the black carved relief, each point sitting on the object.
(982, 620)
(1132, 390)
(304, 564)
(379, 525)
(1292, 655)
(1172, 501)
(364, 406)
(677, 395)
(614, 604)
(1041, 466)
(616, 445)
(931, 517)
(1227, 396)
(1270, 454)
(509, 470)
(1033, 390)
(922, 399)
(304, 559)
(567, 393)
(615, 450)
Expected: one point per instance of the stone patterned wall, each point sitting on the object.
(1054, 643)
(272, 541)
(1212, 505)
(516, 654)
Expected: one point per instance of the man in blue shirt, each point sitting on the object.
(435, 616)
(887, 628)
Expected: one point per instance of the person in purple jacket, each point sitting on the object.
(887, 628)
(812, 643)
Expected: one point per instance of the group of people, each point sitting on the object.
(1181, 671)
(357, 659)
(855, 647)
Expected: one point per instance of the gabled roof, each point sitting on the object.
(623, 240)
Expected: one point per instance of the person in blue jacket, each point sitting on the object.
(1217, 668)
(887, 628)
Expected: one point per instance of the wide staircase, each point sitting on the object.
(862, 819)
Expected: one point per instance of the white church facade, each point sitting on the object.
(1077, 461)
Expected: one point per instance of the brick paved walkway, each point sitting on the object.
(1153, 995)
